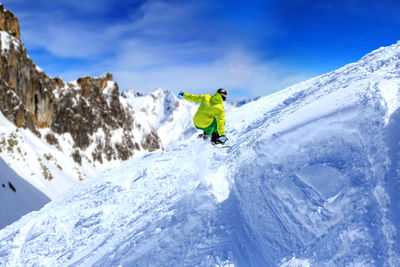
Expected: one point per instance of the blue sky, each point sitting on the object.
(252, 48)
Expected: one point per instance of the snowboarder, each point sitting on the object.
(210, 116)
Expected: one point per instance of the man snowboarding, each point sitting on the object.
(210, 116)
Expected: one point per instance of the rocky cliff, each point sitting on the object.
(90, 111)
(9, 23)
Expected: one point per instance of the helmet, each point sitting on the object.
(222, 92)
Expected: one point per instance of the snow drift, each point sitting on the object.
(312, 178)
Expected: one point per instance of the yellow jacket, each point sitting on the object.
(210, 108)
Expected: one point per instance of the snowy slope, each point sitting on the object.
(40, 164)
(312, 179)
(17, 197)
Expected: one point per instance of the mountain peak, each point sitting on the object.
(87, 84)
(9, 22)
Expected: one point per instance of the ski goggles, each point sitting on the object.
(223, 96)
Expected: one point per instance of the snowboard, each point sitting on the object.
(221, 145)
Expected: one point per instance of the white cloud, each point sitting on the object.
(235, 71)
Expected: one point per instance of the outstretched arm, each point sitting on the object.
(193, 98)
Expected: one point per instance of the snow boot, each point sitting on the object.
(215, 138)
(204, 136)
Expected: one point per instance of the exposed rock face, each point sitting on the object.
(95, 104)
(151, 141)
(89, 109)
(26, 93)
(9, 23)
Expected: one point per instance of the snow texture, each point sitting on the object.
(312, 179)
(17, 197)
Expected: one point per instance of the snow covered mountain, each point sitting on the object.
(83, 126)
(239, 101)
(169, 116)
(54, 134)
(312, 179)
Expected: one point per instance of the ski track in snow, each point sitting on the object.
(312, 179)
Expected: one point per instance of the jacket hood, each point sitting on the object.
(217, 99)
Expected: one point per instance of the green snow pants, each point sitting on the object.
(210, 129)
